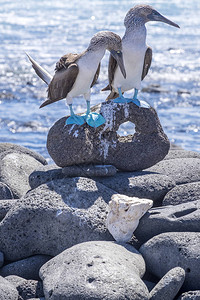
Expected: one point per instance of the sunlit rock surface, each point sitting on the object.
(124, 215)
(73, 144)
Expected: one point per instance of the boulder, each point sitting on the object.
(174, 249)
(55, 216)
(5, 191)
(15, 169)
(1, 259)
(5, 206)
(6, 148)
(181, 170)
(78, 145)
(95, 270)
(27, 268)
(182, 193)
(44, 174)
(89, 171)
(7, 290)
(191, 295)
(140, 184)
(168, 287)
(182, 217)
(172, 154)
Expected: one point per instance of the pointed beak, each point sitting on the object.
(118, 56)
(156, 16)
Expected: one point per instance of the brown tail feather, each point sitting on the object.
(112, 95)
(107, 88)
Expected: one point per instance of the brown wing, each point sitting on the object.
(96, 76)
(147, 62)
(61, 84)
(112, 65)
(66, 60)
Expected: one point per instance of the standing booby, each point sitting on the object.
(137, 55)
(77, 73)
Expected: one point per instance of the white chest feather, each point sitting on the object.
(87, 65)
(134, 49)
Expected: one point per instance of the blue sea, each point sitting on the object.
(48, 29)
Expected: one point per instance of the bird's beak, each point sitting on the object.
(119, 58)
(156, 16)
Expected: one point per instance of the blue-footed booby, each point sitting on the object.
(137, 55)
(75, 74)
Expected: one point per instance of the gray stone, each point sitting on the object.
(73, 145)
(5, 191)
(95, 270)
(5, 206)
(10, 148)
(140, 184)
(1, 259)
(15, 280)
(44, 174)
(168, 287)
(176, 153)
(191, 295)
(150, 285)
(182, 170)
(182, 217)
(55, 216)
(172, 249)
(183, 193)
(7, 290)
(15, 169)
(89, 171)
(27, 268)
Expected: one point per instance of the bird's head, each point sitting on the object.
(141, 14)
(113, 43)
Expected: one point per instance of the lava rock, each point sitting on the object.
(172, 249)
(182, 170)
(5, 192)
(15, 169)
(44, 174)
(89, 171)
(1, 259)
(183, 193)
(27, 268)
(55, 216)
(95, 270)
(6, 148)
(7, 290)
(182, 217)
(191, 295)
(168, 287)
(73, 145)
(172, 154)
(140, 184)
(5, 206)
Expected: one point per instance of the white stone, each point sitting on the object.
(123, 217)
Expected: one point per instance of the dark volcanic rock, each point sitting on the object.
(5, 206)
(44, 174)
(10, 148)
(171, 249)
(27, 268)
(182, 217)
(15, 169)
(95, 270)
(168, 287)
(172, 154)
(73, 144)
(140, 184)
(183, 193)
(89, 171)
(55, 216)
(5, 191)
(182, 170)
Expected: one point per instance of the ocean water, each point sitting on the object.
(48, 29)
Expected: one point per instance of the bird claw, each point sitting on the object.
(94, 119)
(120, 100)
(140, 103)
(74, 119)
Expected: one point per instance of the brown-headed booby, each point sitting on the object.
(137, 55)
(77, 73)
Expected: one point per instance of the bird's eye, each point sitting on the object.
(118, 52)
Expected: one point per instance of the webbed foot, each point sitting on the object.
(74, 119)
(94, 119)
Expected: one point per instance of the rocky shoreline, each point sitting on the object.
(55, 245)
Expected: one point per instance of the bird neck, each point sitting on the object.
(96, 53)
(136, 33)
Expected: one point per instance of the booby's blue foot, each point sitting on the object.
(121, 98)
(94, 119)
(138, 102)
(74, 119)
